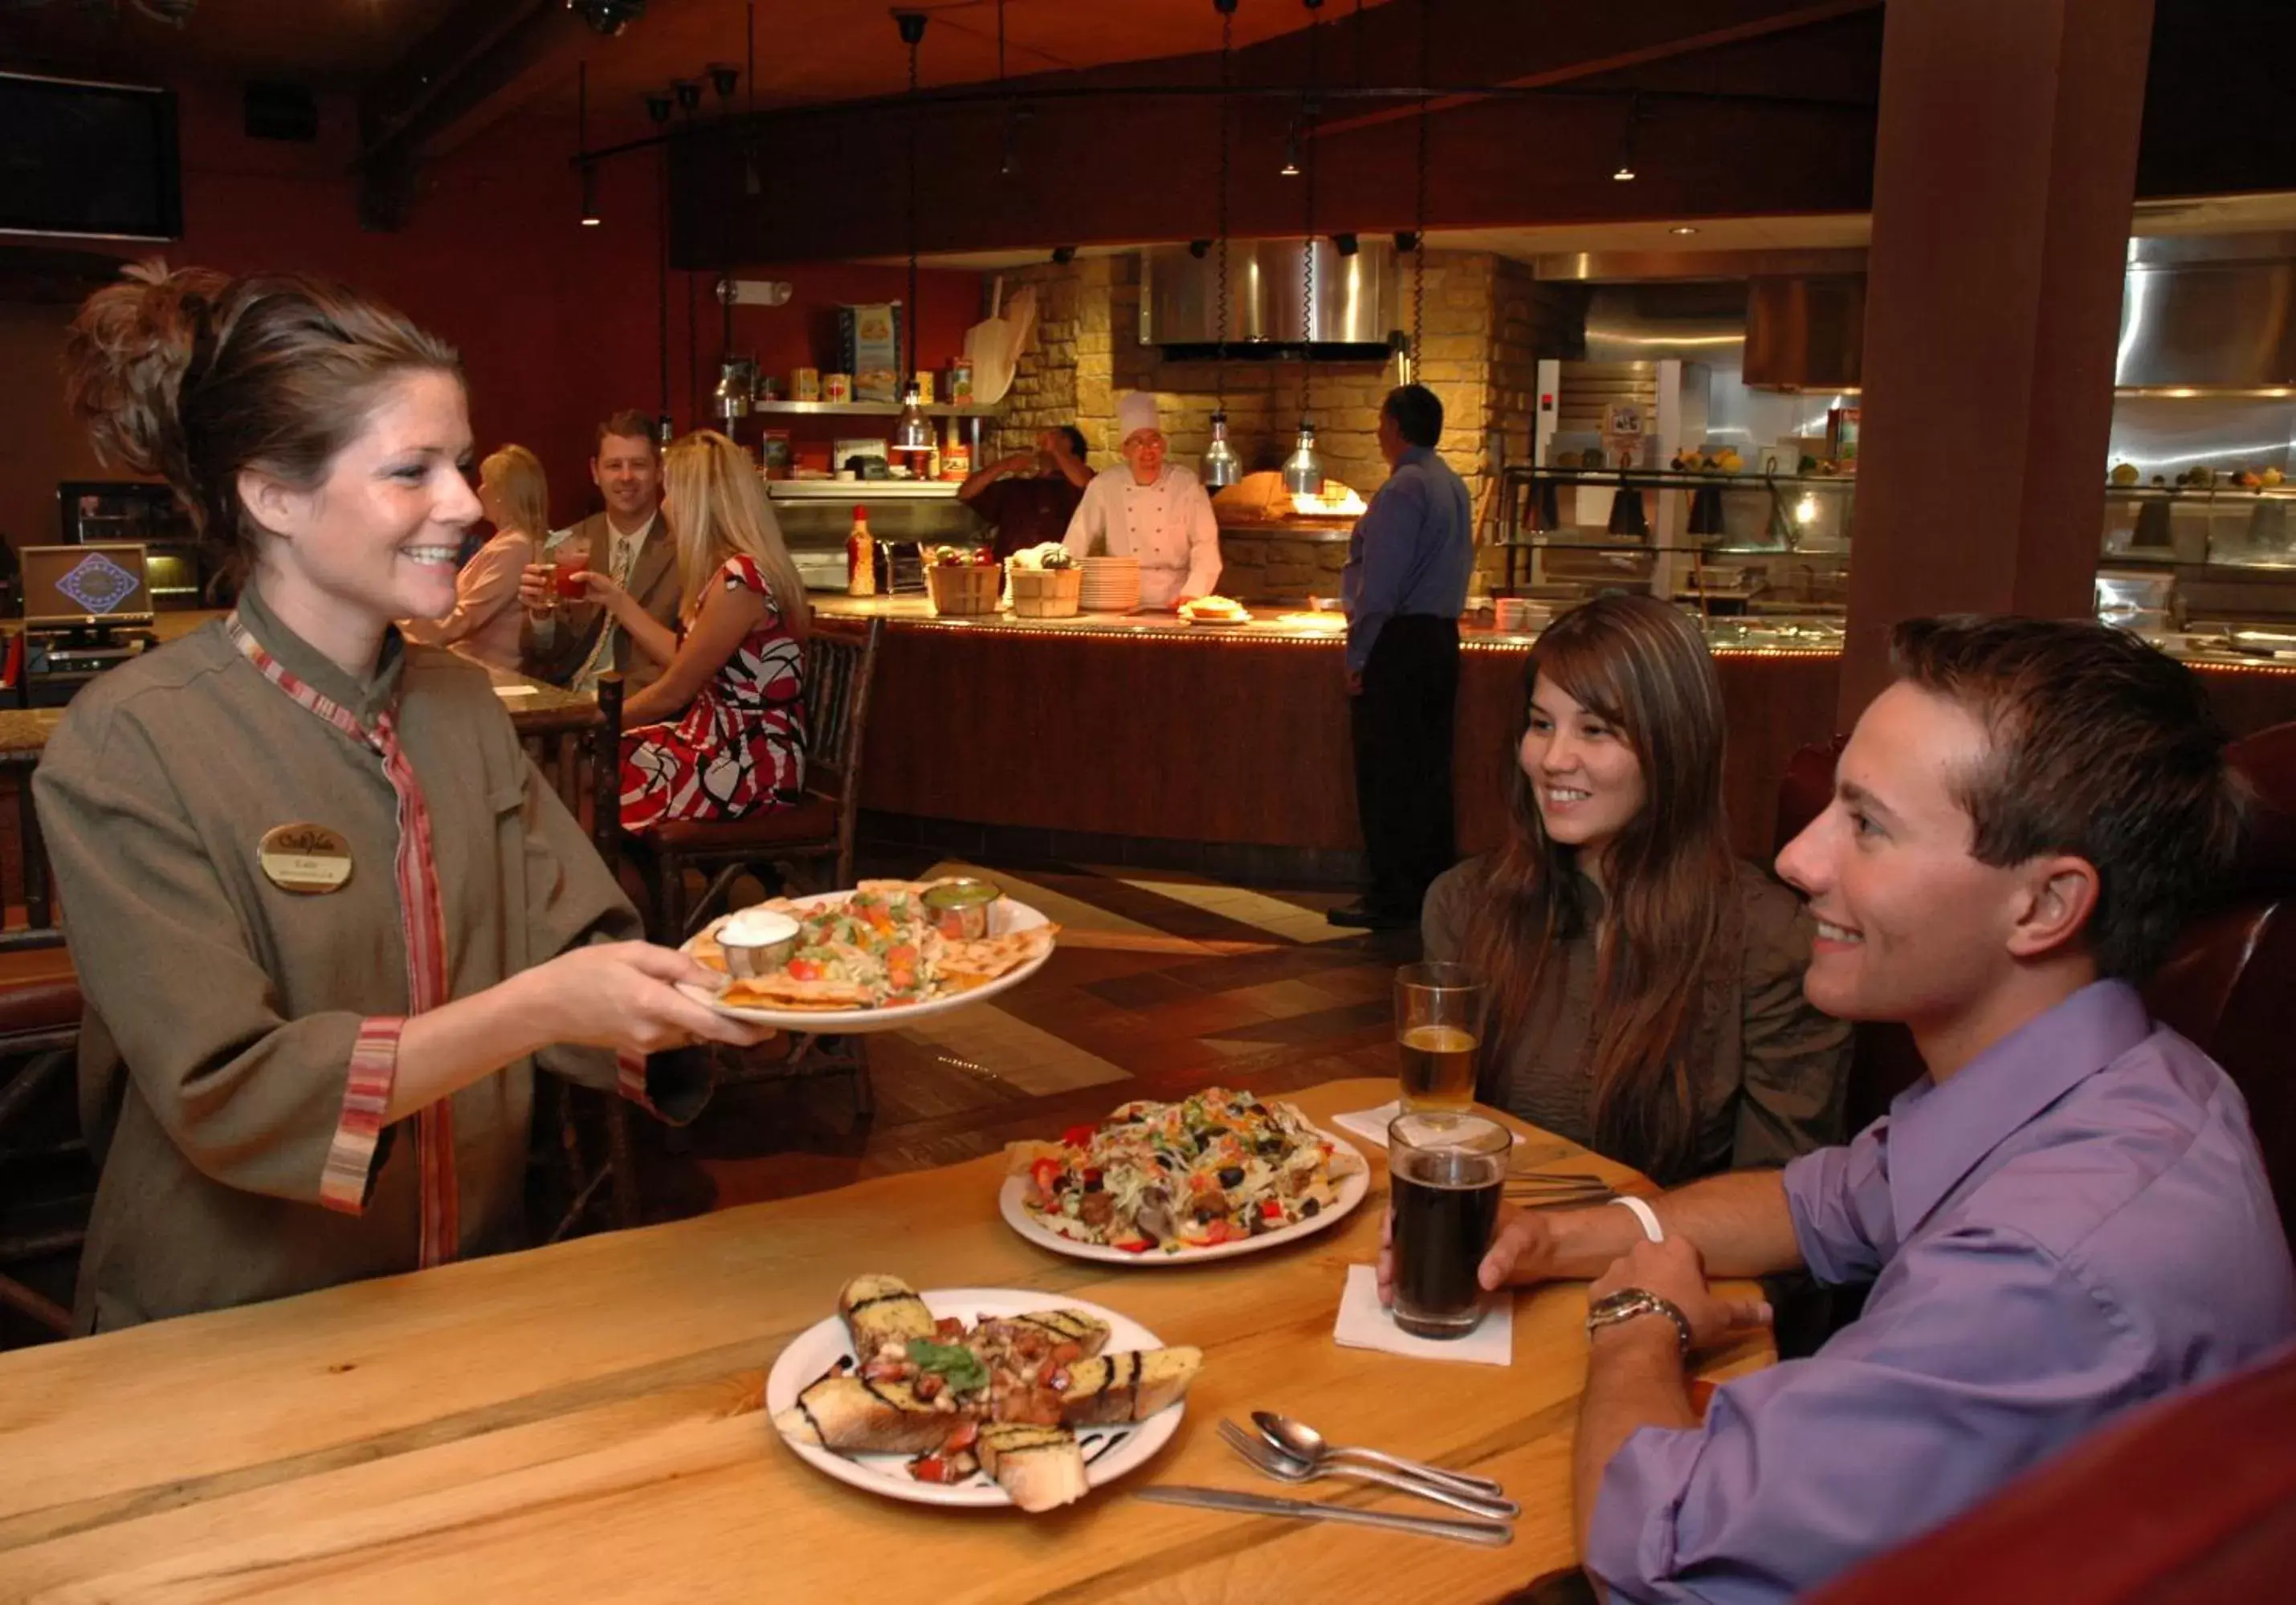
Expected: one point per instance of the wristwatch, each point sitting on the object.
(1627, 1303)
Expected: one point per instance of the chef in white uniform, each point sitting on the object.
(1152, 509)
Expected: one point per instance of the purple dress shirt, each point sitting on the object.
(2075, 1223)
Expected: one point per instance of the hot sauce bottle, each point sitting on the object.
(860, 557)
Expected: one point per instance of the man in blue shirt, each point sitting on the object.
(1405, 585)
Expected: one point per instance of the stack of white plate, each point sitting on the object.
(1112, 585)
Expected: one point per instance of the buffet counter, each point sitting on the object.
(1145, 740)
(1125, 739)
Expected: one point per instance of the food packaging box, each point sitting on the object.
(869, 349)
(774, 454)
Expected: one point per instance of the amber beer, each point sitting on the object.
(1439, 1067)
(1439, 1021)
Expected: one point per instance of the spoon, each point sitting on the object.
(1303, 1443)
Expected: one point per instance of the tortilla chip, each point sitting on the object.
(992, 956)
(783, 991)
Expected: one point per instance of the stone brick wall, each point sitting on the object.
(1486, 319)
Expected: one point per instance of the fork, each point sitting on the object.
(1270, 1462)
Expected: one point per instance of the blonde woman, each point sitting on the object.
(485, 622)
(721, 734)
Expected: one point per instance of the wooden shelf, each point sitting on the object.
(870, 409)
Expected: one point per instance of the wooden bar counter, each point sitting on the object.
(1105, 727)
(583, 1422)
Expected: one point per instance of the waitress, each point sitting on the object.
(1152, 509)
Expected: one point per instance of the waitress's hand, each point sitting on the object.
(624, 995)
(537, 587)
(1183, 600)
(1355, 683)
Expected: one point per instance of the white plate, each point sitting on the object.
(1352, 1191)
(1005, 915)
(1109, 1451)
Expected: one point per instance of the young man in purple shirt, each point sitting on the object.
(2067, 1217)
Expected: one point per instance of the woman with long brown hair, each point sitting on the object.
(721, 734)
(327, 917)
(1645, 986)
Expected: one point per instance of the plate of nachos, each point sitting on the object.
(1217, 1174)
(874, 958)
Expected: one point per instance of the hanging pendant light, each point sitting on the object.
(913, 435)
(1303, 470)
(1220, 467)
(582, 146)
(914, 432)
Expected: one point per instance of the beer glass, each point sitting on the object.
(1439, 1025)
(1447, 1169)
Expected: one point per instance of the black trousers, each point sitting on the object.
(1402, 724)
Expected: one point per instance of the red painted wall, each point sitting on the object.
(558, 325)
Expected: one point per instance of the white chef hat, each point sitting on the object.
(1135, 410)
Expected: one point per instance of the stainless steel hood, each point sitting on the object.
(1654, 322)
(2213, 314)
(1353, 302)
(1805, 333)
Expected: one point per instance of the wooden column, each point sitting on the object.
(2004, 175)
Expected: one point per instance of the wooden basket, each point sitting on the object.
(1046, 593)
(963, 589)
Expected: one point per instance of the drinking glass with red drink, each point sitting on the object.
(569, 568)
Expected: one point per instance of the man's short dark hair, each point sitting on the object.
(1417, 413)
(630, 423)
(2102, 748)
(1076, 440)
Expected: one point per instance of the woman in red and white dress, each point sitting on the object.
(721, 734)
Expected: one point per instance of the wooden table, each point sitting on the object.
(582, 1422)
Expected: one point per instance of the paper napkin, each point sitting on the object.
(1367, 1323)
(1371, 1124)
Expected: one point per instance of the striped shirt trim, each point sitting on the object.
(423, 913)
(630, 1080)
(348, 1170)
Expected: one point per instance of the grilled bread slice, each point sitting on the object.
(879, 1310)
(1089, 1333)
(1040, 1467)
(858, 1417)
(1128, 1386)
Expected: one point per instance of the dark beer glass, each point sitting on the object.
(1446, 1170)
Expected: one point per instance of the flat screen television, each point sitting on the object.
(79, 587)
(88, 160)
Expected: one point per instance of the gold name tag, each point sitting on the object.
(305, 858)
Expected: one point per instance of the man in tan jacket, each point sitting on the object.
(572, 643)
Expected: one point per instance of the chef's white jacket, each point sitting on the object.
(1167, 524)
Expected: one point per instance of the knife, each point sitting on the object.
(1494, 1533)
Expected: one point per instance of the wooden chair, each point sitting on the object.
(40, 1030)
(615, 1171)
(815, 838)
